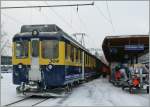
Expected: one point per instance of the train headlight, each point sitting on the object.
(35, 32)
(50, 66)
(19, 66)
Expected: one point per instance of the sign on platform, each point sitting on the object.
(134, 47)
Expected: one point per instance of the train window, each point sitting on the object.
(80, 56)
(67, 51)
(50, 48)
(76, 54)
(72, 53)
(85, 59)
(35, 48)
(88, 60)
(22, 48)
(92, 62)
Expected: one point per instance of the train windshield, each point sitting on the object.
(22, 48)
(50, 49)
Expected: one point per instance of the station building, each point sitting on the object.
(129, 49)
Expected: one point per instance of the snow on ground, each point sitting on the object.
(98, 92)
(8, 90)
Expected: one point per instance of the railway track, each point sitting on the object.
(17, 101)
(28, 100)
(33, 101)
(36, 100)
(40, 101)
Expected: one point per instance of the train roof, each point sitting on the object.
(40, 28)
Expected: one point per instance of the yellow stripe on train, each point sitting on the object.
(42, 61)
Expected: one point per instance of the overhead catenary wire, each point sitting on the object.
(84, 25)
(40, 6)
(102, 14)
(62, 5)
(13, 19)
(80, 20)
(30, 16)
(110, 17)
(40, 10)
(60, 17)
(71, 20)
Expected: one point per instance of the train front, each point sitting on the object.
(37, 64)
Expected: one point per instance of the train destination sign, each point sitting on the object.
(134, 47)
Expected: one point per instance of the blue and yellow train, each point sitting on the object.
(45, 58)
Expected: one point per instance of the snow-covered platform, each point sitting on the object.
(98, 92)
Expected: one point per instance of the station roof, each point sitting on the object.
(118, 48)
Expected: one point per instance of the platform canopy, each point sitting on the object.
(123, 47)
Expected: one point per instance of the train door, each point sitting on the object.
(34, 73)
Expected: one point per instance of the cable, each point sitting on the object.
(59, 16)
(85, 27)
(30, 16)
(101, 13)
(40, 10)
(81, 21)
(15, 20)
(71, 15)
(110, 17)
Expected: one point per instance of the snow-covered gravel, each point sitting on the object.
(98, 92)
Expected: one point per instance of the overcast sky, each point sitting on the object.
(128, 17)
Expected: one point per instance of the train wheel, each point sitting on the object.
(115, 84)
(18, 89)
(131, 90)
(78, 82)
(75, 84)
(104, 75)
(123, 87)
(147, 89)
(69, 87)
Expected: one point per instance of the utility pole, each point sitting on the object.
(82, 37)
